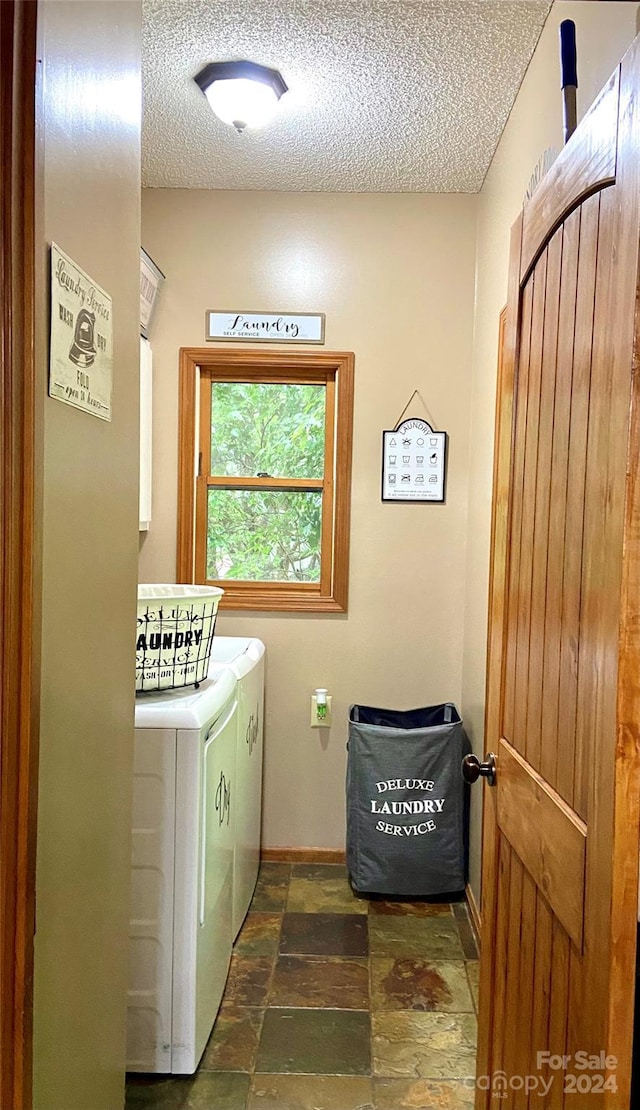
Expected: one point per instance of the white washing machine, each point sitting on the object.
(244, 656)
(182, 871)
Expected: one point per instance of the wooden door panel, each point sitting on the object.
(525, 979)
(558, 1012)
(542, 978)
(515, 531)
(533, 998)
(514, 951)
(540, 539)
(579, 384)
(563, 696)
(498, 998)
(602, 531)
(529, 446)
(557, 509)
(545, 832)
(583, 168)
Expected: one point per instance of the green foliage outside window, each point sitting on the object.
(276, 430)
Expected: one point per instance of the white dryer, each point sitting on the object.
(182, 871)
(245, 657)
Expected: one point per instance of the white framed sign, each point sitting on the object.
(81, 351)
(265, 327)
(151, 279)
(413, 462)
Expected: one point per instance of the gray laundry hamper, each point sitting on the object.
(406, 801)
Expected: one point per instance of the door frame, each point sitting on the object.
(495, 636)
(19, 666)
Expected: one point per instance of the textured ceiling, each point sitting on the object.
(385, 95)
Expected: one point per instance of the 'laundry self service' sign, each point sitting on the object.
(266, 327)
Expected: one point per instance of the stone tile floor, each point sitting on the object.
(336, 1002)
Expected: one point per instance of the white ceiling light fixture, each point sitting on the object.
(242, 94)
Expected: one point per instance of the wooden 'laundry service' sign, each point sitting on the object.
(81, 350)
(413, 462)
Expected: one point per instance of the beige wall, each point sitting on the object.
(604, 31)
(90, 93)
(394, 275)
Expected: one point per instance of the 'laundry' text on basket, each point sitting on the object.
(168, 640)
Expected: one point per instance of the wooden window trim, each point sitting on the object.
(336, 371)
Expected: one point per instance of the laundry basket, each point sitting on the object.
(174, 633)
(406, 800)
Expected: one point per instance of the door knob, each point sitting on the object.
(473, 769)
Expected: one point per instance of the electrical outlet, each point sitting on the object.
(318, 721)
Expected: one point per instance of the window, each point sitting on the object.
(264, 476)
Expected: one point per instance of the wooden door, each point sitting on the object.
(560, 859)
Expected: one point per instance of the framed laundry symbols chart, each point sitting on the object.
(414, 459)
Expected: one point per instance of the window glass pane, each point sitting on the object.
(267, 429)
(264, 535)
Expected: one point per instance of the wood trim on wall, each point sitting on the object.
(474, 912)
(18, 658)
(187, 381)
(302, 855)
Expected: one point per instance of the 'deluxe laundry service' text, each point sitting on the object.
(411, 807)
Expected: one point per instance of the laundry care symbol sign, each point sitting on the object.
(407, 807)
(81, 350)
(413, 462)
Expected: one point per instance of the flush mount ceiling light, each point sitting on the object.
(242, 94)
